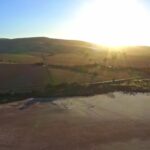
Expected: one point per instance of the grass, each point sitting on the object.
(19, 59)
(30, 77)
(74, 89)
(27, 72)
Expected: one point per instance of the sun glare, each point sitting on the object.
(111, 23)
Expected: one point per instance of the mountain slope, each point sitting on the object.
(39, 44)
(43, 44)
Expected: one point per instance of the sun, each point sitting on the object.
(110, 22)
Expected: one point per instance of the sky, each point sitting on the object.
(101, 21)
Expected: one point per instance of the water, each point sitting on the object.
(111, 106)
(114, 121)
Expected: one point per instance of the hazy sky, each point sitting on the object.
(65, 19)
(20, 18)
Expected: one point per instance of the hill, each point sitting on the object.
(44, 44)
(33, 63)
(38, 44)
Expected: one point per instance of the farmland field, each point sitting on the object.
(28, 65)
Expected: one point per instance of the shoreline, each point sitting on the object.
(75, 90)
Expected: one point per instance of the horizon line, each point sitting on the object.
(71, 39)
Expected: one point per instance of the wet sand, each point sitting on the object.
(102, 122)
